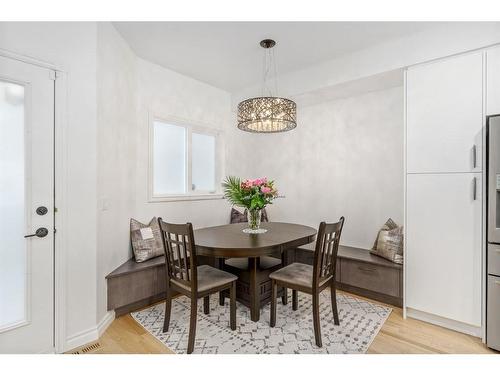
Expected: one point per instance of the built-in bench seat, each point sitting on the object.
(134, 285)
(363, 273)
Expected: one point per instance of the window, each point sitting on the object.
(185, 161)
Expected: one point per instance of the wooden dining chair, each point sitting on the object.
(186, 277)
(312, 279)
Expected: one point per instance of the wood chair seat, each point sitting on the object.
(297, 276)
(209, 278)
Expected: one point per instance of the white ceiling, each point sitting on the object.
(227, 54)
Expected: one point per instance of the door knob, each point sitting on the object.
(40, 232)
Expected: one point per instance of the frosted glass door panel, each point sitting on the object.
(13, 255)
(203, 159)
(169, 159)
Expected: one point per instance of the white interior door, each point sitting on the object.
(26, 184)
(443, 254)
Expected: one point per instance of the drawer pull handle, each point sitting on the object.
(366, 269)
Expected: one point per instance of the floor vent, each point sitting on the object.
(87, 348)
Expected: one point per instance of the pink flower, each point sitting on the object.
(266, 190)
(260, 181)
(246, 184)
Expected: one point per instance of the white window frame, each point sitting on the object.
(191, 127)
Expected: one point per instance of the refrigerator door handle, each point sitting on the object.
(474, 188)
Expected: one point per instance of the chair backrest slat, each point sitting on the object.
(325, 254)
(180, 253)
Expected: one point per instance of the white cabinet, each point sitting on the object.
(493, 81)
(443, 253)
(443, 219)
(445, 115)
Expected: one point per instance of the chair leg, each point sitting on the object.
(333, 293)
(206, 305)
(232, 307)
(192, 324)
(274, 292)
(284, 297)
(221, 293)
(295, 300)
(316, 321)
(284, 262)
(168, 309)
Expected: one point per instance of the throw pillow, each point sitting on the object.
(238, 217)
(146, 240)
(389, 242)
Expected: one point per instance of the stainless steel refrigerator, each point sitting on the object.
(493, 253)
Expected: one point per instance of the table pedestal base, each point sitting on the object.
(253, 288)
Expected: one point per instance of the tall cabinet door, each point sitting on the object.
(443, 254)
(493, 81)
(444, 115)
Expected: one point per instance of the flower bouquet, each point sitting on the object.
(254, 195)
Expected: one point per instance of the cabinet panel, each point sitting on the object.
(493, 311)
(493, 81)
(444, 115)
(443, 253)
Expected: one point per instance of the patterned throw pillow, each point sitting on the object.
(238, 217)
(389, 242)
(146, 240)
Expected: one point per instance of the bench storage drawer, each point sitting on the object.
(373, 277)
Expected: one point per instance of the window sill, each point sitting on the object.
(185, 198)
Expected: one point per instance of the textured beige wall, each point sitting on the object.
(344, 158)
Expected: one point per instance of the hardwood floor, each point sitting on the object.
(397, 336)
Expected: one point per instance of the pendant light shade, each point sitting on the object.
(267, 114)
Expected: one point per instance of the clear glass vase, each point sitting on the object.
(253, 217)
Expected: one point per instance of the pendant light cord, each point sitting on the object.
(275, 73)
(269, 62)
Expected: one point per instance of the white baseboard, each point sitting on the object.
(444, 322)
(105, 323)
(91, 334)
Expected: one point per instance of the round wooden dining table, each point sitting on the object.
(229, 241)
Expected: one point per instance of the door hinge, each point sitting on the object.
(54, 74)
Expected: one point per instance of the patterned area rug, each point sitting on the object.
(360, 322)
